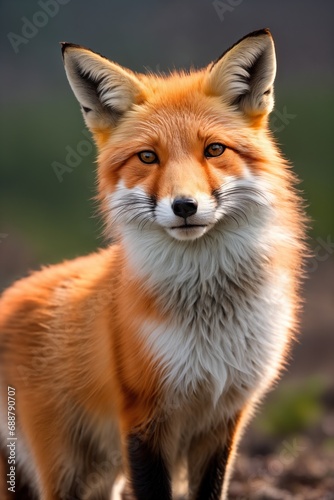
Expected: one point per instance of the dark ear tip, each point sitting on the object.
(66, 45)
(63, 46)
(263, 31)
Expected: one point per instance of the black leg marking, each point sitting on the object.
(24, 492)
(149, 475)
(213, 478)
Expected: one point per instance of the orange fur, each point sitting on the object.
(77, 340)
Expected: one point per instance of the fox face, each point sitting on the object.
(182, 154)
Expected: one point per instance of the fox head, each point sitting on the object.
(185, 153)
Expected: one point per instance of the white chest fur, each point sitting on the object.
(229, 315)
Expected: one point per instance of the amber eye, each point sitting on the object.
(214, 149)
(148, 157)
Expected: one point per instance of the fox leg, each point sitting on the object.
(149, 453)
(69, 462)
(212, 476)
(208, 458)
(148, 470)
(75, 481)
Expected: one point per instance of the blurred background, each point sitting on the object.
(47, 179)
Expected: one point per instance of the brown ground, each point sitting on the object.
(307, 475)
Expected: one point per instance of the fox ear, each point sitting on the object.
(104, 89)
(244, 75)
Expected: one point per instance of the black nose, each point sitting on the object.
(184, 207)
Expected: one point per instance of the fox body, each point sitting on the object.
(149, 356)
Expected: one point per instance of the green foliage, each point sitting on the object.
(292, 408)
(55, 218)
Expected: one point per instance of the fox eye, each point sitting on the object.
(214, 149)
(148, 157)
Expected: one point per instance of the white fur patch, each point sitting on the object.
(239, 197)
(229, 316)
(218, 337)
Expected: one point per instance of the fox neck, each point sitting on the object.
(185, 275)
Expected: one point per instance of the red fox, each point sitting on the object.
(148, 357)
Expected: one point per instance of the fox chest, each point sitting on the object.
(216, 337)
